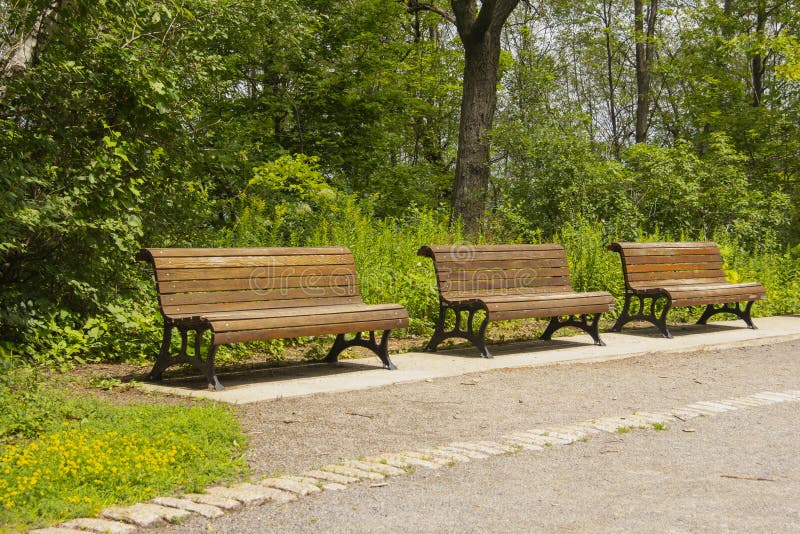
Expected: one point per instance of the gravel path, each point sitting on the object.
(736, 471)
(292, 435)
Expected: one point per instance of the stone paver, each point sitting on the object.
(477, 447)
(377, 467)
(103, 526)
(144, 515)
(400, 460)
(205, 510)
(331, 477)
(56, 530)
(251, 494)
(475, 455)
(214, 500)
(450, 456)
(352, 472)
(293, 486)
(430, 458)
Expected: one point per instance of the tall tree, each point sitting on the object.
(480, 31)
(644, 29)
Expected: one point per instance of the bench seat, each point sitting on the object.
(676, 274)
(256, 294)
(509, 282)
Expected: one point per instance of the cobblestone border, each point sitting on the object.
(219, 500)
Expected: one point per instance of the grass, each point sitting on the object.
(63, 457)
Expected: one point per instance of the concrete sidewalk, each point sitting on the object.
(348, 375)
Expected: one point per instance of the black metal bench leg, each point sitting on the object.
(209, 371)
(480, 339)
(661, 322)
(746, 316)
(477, 338)
(439, 334)
(163, 359)
(380, 349)
(625, 315)
(735, 309)
(205, 365)
(591, 328)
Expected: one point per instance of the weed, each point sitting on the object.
(623, 430)
(658, 427)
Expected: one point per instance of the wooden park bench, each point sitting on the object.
(680, 274)
(509, 282)
(251, 294)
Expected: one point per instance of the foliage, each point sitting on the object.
(63, 457)
(221, 123)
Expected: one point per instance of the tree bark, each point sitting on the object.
(612, 105)
(757, 63)
(480, 32)
(21, 56)
(645, 51)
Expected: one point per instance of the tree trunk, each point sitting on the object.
(645, 50)
(480, 33)
(477, 113)
(21, 56)
(757, 63)
(612, 105)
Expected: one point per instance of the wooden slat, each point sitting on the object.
(480, 286)
(478, 265)
(676, 258)
(207, 262)
(654, 252)
(311, 283)
(337, 328)
(670, 266)
(708, 277)
(449, 249)
(493, 256)
(555, 301)
(633, 245)
(548, 312)
(177, 275)
(297, 311)
(528, 273)
(219, 297)
(191, 310)
(270, 251)
(659, 284)
(364, 315)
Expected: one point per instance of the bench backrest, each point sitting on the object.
(462, 271)
(196, 281)
(653, 265)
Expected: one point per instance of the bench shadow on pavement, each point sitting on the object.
(678, 330)
(511, 348)
(260, 373)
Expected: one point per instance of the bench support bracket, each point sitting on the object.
(477, 338)
(380, 349)
(164, 360)
(734, 308)
(590, 326)
(645, 313)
